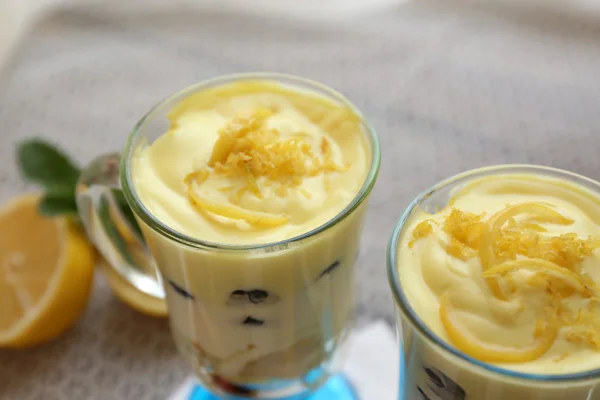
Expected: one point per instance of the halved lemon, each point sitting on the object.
(46, 272)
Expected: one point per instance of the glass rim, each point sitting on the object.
(417, 323)
(303, 83)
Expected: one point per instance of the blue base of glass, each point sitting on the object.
(336, 388)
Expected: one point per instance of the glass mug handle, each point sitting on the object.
(112, 228)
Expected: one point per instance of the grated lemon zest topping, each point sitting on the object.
(422, 230)
(512, 241)
(459, 250)
(247, 150)
(464, 227)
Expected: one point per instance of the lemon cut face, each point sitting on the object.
(46, 273)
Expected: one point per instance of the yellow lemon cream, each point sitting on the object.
(508, 273)
(252, 162)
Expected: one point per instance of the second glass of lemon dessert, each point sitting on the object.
(496, 276)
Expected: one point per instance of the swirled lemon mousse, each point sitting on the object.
(508, 273)
(252, 163)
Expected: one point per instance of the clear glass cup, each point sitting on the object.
(433, 369)
(264, 321)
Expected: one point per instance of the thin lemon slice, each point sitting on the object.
(486, 251)
(538, 265)
(533, 227)
(538, 212)
(487, 258)
(46, 270)
(257, 218)
(473, 347)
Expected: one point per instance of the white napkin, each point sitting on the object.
(372, 364)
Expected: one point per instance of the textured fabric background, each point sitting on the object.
(449, 85)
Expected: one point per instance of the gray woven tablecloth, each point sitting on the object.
(449, 85)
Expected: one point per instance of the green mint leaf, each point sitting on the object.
(45, 165)
(56, 205)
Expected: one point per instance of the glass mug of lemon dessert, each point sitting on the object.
(495, 275)
(250, 192)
